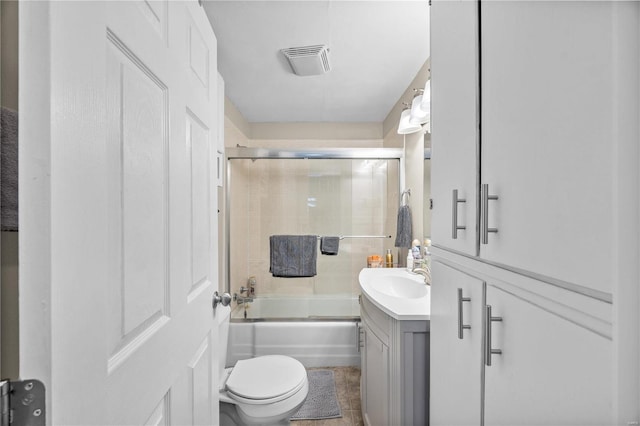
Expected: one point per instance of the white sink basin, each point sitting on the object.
(399, 293)
(399, 286)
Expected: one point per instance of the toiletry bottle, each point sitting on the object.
(409, 261)
(389, 259)
(427, 253)
(416, 250)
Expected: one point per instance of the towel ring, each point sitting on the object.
(406, 192)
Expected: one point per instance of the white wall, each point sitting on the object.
(414, 145)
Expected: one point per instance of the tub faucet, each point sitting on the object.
(252, 286)
(425, 272)
(251, 289)
(240, 300)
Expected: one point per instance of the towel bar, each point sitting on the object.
(342, 237)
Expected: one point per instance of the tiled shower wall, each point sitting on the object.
(327, 197)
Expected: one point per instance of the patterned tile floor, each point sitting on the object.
(348, 390)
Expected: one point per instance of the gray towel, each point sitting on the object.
(403, 237)
(293, 255)
(8, 170)
(329, 245)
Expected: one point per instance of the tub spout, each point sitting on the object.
(240, 300)
(426, 274)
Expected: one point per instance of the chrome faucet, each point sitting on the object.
(425, 272)
(240, 300)
(250, 291)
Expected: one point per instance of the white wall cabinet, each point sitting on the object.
(555, 123)
(538, 102)
(456, 376)
(553, 364)
(551, 371)
(395, 369)
(551, 89)
(454, 95)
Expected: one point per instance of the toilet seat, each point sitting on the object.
(265, 379)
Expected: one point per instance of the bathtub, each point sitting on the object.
(319, 332)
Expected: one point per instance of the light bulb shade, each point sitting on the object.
(405, 127)
(418, 116)
(426, 98)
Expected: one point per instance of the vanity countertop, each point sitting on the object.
(397, 292)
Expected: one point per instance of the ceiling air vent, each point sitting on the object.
(308, 60)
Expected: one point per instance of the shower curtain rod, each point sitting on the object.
(342, 237)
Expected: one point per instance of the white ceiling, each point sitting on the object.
(376, 49)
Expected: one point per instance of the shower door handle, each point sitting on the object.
(454, 215)
(461, 325)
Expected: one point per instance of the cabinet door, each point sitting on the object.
(551, 371)
(454, 123)
(375, 408)
(456, 364)
(553, 131)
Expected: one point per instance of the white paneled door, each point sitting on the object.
(118, 235)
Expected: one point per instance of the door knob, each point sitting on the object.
(225, 299)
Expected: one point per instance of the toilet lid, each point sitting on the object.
(266, 377)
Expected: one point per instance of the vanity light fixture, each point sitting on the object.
(405, 126)
(426, 98)
(418, 116)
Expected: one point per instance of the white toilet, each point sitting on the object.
(265, 390)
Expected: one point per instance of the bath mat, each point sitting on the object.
(322, 401)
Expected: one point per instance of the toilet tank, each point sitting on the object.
(223, 318)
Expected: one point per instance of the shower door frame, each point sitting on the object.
(245, 153)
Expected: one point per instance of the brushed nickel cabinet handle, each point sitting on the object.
(461, 325)
(484, 212)
(454, 215)
(489, 350)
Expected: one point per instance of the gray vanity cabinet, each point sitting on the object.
(375, 377)
(395, 369)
